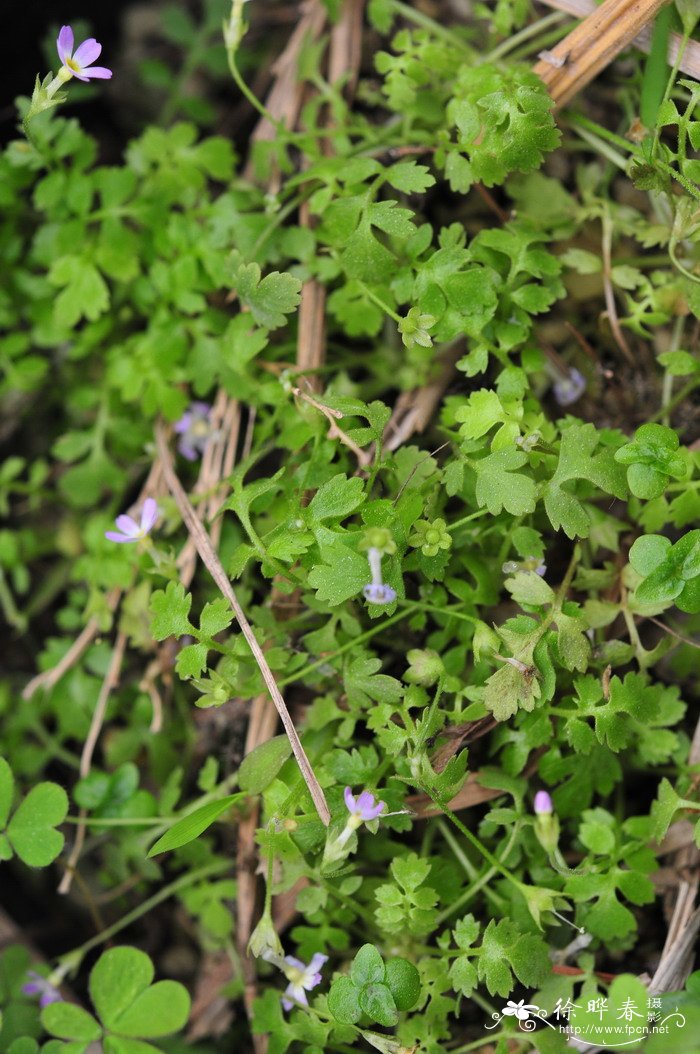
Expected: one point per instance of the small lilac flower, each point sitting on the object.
(79, 64)
(129, 529)
(194, 430)
(362, 808)
(302, 979)
(543, 804)
(377, 591)
(570, 388)
(41, 986)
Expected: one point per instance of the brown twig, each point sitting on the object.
(690, 62)
(364, 458)
(213, 565)
(591, 46)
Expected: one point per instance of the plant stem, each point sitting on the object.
(75, 957)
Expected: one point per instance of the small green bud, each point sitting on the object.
(378, 538)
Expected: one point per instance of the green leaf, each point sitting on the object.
(31, 830)
(269, 300)
(341, 574)
(527, 587)
(160, 1010)
(170, 610)
(664, 809)
(85, 293)
(192, 825)
(653, 459)
(377, 1002)
(259, 768)
(68, 1021)
(367, 966)
(127, 1003)
(216, 616)
(344, 1001)
(7, 786)
(672, 572)
(191, 660)
(500, 486)
(577, 462)
(409, 177)
(116, 979)
(403, 980)
(337, 498)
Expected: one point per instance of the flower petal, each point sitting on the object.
(64, 43)
(100, 73)
(114, 536)
(184, 423)
(149, 515)
(317, 961)
(350, 800)
(127, 525)
(187, 449)
(86, 54)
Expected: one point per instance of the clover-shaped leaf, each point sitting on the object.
(126, 1001)
(652, 459)
(374, 988)
(671, 572)
(31, 832)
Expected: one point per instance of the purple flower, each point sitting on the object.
(569, 389)
(129, 529)
(41, 986)
(302, 979)
(379, 593)
(194, 430)
(543, 804)
(364, 807)
(79, 64)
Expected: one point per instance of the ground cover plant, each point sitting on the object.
(351, 558)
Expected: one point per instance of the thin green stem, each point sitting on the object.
(74, 958)
(524, 35)
(447, 34)
(367, 635)
(380, 303)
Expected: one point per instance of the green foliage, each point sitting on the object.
(31, 831)
(374, 989)
(653, 459)
(129, 1007)
(670, 572)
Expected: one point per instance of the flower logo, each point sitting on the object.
(521, 1010)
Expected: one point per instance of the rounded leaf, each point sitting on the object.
(646, 482)
(648, 552)
(343, 1001)
(160, 1010)
(367, 967)
(404, 983)
(118, 977)
(7, 786)
(31, 830)
(68, 1021)
(378, 1003)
